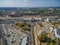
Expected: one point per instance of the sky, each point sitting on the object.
(29, 3)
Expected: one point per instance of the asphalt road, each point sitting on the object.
(32, 35)
(12, 35)
(1, 36)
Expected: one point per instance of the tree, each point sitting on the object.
(20, 24)
(26, 28)
(51, 43)
(40, 37)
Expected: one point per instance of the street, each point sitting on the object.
(12, 35)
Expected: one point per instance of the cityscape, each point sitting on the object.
(30, 26)
(29, 22)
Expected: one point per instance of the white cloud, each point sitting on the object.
(6, 3)
(25, 0)
(12, 3)
(28, 3)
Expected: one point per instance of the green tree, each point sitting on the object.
(26, 28)
(20, 24)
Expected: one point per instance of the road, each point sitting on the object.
(1, 35)
(12, 35)
(30, 34)
(32, 37)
